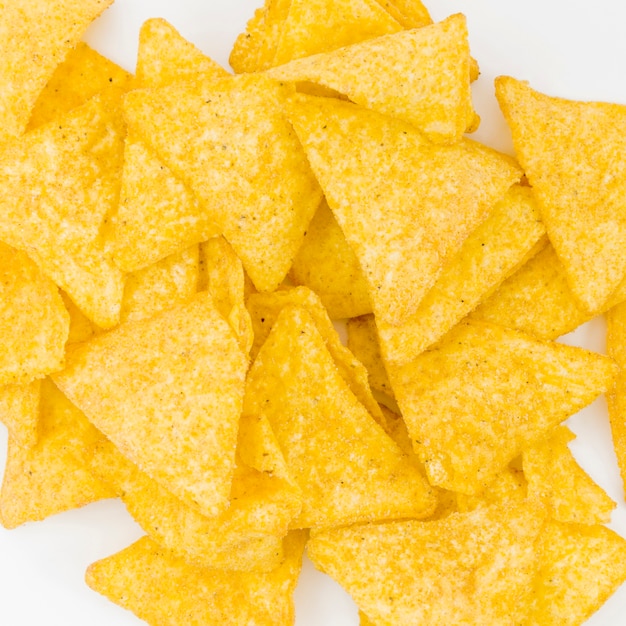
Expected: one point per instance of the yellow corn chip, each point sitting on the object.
(467, 568)
(509, 484)
(398, 219)
(51, 476)
(492, 252)
(314, 26)
(276, 12)
(180, 402)
(34, 324)
(580, 566)
(481, 395)
(410, 13)
(161, 286)
(569, 492)
(327, 265)
(165, 57)
(347, 467)
(19, 412)
(248, 158)
(245, 53)
(222, 274)
(81, 328)
(578, 181)
(35, 37)
(148, 580)
(82, 75)
(420, 76)
(59, 186)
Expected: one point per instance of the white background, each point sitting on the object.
(569, 48)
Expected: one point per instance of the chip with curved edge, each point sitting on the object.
(19, 411)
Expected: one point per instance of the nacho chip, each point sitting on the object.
(471, 568)
(248, 158)
(161, 286)
(34, 324)
(481, 395)
(501, 244)
(420, 76)
(19, 412)
(400, 222)
(570, 494)
(578, 179)
(326, 264)
(180, 402)
(571, 557)
(51, 476)
(347, 467)
(34, 38)
(59, 186)
(147, 580)
(509, 484)
(81, 327)
(83, 74)
(244, 55)
(410, 13)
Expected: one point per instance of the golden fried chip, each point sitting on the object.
(347, 467)
(35, 37)
(410, 13)
(81, 327)
(247, 168)
(569, 492)
(500, 245)
(245, 53)
(52, 476)
(397, 217)
(580, 566)
(420, 76)
(180, 402)
(481, 395)
(59, 185)
(34, 324)
(467, 568)
(574, 155)
(19, 412)
(161, 286)
(509, 484)
(148, 580)
(326, 264)
(83, 74)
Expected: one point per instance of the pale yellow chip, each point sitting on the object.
(247, 169)
(161, 286)
(347, 467)
(35, 37)
(59, 186)
(147, 580)
(180, 403)
(410, 13)
(574, 155)
(34, 324)
(83, 74)
(398, 219)
(420, 76)
(481, 395)
(51, 476)
(245, 52)
(508, 237)
(570, 494)
(327, 265)
(509, 484)
(580, 566)
(467, 568)
(81, 327)
(19, 411)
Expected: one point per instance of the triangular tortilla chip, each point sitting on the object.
(410, 13)
(34, 324)
(59, 186)
(397, 217)
(177, 381)
(81, 327)
(19, 412)
(148, 580)
(578, 180)
(579, 568)
(420, 76)
(473, 401)
(570, 494)
(509, 484)
(245, 53)
(247, 167)
(500, 245)
(468, 568)
(52, 476)
(35, 37)
(347, 467)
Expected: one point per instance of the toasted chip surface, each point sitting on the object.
(19, 411)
